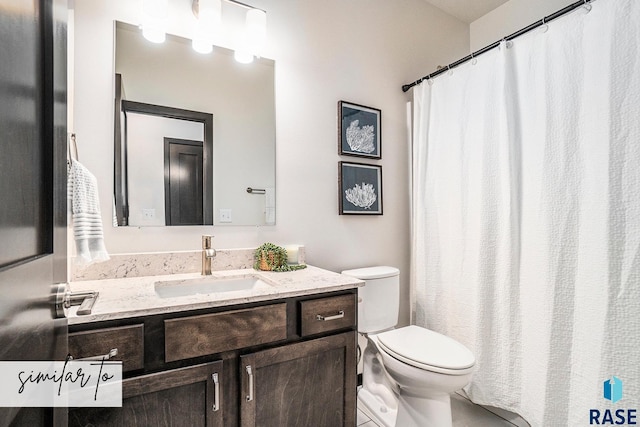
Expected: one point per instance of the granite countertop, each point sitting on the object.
(136, 296)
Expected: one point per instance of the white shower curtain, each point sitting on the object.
(526, 215)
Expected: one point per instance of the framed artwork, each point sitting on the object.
(359, 130)
(360, 188)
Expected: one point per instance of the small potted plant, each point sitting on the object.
(270, 257)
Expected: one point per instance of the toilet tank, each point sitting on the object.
(378, 299)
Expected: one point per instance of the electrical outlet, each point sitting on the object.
(224, 215)
(148, 214)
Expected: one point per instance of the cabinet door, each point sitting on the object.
(311, 383)
(184, 397)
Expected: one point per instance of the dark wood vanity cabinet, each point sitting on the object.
(277, 363)
(177, 397)
(313, 383)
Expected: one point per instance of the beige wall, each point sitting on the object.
(509, 18)
(360, 51)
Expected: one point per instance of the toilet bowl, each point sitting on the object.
(425, 367)
(409, 373)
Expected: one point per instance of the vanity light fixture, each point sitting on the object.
(209, 16)
(154, 20)
(250, 40)
(256, 27)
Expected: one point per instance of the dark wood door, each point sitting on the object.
(312, 383)
(32, 188)
(184, 397)
(183, 182)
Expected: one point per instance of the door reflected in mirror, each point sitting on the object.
(165, 171)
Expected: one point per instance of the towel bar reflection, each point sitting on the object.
(255, 190)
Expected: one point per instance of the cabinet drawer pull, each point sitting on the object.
(250, 374)
(322, 318)
(216, 392)
(112, 353)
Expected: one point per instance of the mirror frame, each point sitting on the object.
(120, 169)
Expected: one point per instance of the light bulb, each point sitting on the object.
(243, 56)
(154, 35)
(210, 12)
(256, 30)
(154, 16)
(209, 16)
(256, 22)
(202, 46)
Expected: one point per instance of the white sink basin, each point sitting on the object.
(208, 285)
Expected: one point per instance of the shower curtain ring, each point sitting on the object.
(474, 60)
(544, 27)
(449, 72)
(587, 5)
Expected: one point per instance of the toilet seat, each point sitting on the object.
(425, 349)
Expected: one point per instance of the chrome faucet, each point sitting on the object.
(208, 253)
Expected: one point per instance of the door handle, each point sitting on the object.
(250, 375)
(216, 392)
(322, 318)
(61, 301)
(111, 354)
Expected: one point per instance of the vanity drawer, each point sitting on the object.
(195, 336)
(327, 314)
(129, 340)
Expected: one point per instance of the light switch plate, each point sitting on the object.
(148, 214)
(224, 215)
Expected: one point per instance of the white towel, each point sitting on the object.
(270, 206)
(82, 189)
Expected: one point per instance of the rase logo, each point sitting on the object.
(613, 391)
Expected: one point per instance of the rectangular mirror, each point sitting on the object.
(193, 133)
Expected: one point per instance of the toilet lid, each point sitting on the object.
(368, 273)
(425, 347)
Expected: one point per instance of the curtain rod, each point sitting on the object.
(518, 33)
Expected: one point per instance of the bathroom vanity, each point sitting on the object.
(281, 352)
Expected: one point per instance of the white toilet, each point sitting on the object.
(410, 372)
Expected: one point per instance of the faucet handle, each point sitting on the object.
(206, 241)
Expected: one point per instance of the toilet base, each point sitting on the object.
(432, 411)
(376, 409)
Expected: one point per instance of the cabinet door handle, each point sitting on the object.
(112, 353)
(216, 392)
(322, 318)
(250, 375)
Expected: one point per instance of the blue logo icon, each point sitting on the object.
(613, 389)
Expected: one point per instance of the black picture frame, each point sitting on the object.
(359, 130)
(359, 189)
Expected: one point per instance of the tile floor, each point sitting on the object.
(465, 414)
